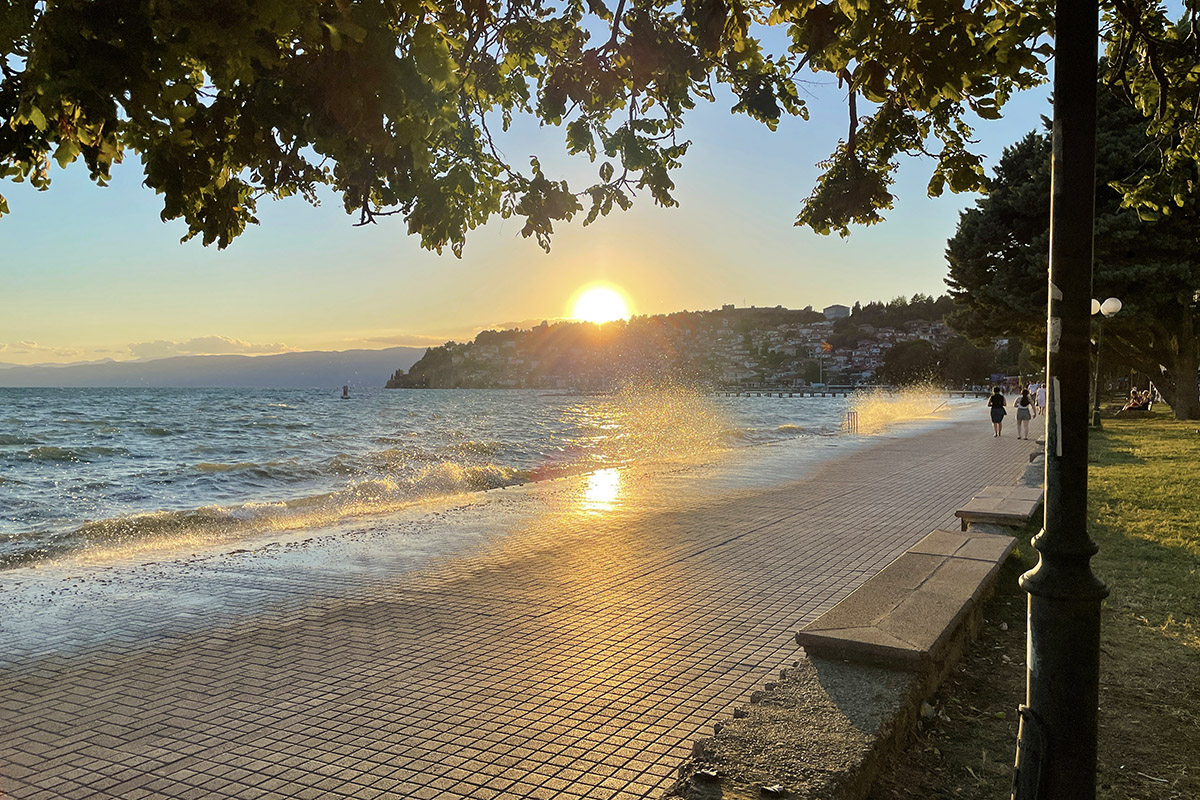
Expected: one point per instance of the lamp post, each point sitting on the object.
(1056, 744)
(1108, 308)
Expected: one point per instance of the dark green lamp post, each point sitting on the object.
(1056, 749)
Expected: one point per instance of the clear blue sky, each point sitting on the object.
(89, 273)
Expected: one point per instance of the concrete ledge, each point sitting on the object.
(904, 616)
(1002, 505)
(817, 734)
(824, 730)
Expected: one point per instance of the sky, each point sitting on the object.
(88, 273)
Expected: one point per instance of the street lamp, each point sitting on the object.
(1056, 745)
(1106, 309)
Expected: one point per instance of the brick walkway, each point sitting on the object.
(575, 657)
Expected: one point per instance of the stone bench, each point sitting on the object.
(906, 615)
(1002, 505)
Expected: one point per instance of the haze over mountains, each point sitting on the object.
(311, 369)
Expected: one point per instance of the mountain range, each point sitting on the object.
(314, 368)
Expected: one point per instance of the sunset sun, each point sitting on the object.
(600, 304)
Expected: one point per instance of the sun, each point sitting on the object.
(599, 303)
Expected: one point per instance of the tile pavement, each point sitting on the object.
(577, 657)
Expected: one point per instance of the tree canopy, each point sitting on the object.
(998, 257)
(395, 104)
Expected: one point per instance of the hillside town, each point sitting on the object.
(727, 347)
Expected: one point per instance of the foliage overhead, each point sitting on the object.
(397, 104)
(999, 257)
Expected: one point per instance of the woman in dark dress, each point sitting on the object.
(996, 404)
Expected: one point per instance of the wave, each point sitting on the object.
(51, 453)
(788, 428)
(207, 467)
(288, 470)
(210, 525)
(408, 437)
(478, 448)
(10, 438)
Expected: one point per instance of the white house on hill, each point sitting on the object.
(836, 312)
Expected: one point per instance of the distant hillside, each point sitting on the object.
(285, 371)
(729, 346)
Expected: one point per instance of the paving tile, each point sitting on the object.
(571, 658)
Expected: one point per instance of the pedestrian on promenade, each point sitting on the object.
(996, 404)
(1040, 399)
(1024, 413)
(1033, 389)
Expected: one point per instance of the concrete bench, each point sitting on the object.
(1002, 505)
(906, 615)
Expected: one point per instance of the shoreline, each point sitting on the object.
(248, 533)
(163, 483)
(81, 593)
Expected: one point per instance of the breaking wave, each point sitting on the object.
(214, 524)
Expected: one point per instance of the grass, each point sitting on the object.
(1144, 512)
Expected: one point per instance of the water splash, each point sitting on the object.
(879, 408)
(666, 420)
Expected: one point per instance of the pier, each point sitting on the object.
(834, 391)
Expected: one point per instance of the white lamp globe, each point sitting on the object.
(1109, 307)
(1095, 306)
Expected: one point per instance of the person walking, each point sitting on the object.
(996, 403)
(1024, 407)
(1040, 399)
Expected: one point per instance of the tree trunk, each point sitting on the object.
(1180, 386)
(1170, 357)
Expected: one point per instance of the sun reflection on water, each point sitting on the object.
(602, 492)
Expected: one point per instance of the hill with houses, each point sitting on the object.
(727, 347)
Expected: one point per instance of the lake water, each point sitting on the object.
(88, 469)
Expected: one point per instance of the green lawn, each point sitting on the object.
(1144, 504)
(1144, 509)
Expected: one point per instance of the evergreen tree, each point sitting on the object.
(998, 258)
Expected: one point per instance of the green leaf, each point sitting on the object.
(38, 118)
(335, 38)
(66, 152)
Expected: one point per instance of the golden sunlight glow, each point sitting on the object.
(602, 491)
(599, 303)
(878, 409)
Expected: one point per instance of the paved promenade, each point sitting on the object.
(579, 655)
